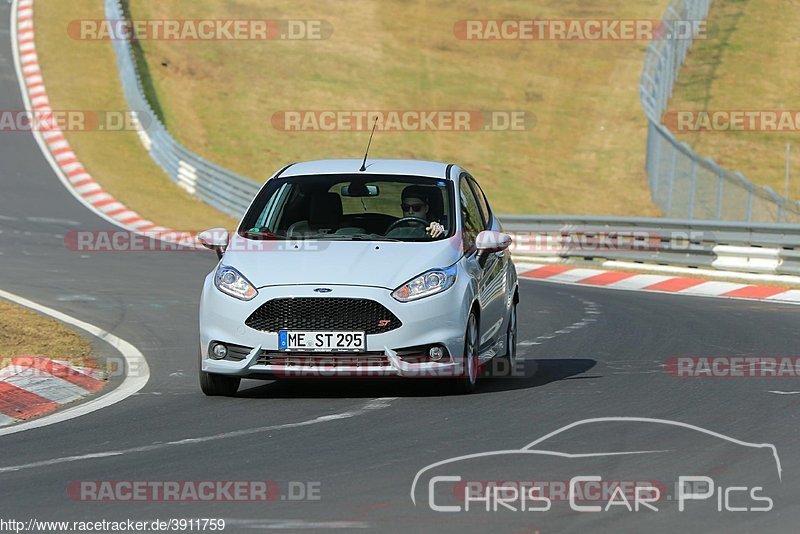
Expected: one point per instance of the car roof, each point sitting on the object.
(411, 167)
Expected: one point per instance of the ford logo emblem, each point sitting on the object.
(323, 290)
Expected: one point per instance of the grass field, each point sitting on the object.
(748, 64)
(81, 75)
(21, 334)
(584, 155)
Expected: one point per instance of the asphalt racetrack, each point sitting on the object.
(344, 454)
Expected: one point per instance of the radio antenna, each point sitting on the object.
(364, 163)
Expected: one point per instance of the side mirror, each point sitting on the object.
(489, 242)
(215, 239)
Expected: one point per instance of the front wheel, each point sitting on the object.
(219, 385)
(511, 340)
(466, 382)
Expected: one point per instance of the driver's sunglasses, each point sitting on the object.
(413, 207)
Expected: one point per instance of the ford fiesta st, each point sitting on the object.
(394, 268)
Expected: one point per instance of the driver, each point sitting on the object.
(415, 204)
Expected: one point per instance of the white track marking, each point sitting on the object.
(53, 221)
(589, 308)
(375, 404)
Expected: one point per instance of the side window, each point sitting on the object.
(470, 215)
(482, 204)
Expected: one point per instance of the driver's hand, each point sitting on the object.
(435, 229)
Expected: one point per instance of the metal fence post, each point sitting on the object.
(692, 187)
(657, 159)
(671, 179)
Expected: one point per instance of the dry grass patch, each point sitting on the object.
(747, 63)
(586, 153)
(26, 333)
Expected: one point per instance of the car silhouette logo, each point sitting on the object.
(323, 290)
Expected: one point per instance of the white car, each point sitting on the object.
(397, 270)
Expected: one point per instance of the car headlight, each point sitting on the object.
(427, 284)
(233, 283)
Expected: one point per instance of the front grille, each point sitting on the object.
(313, 313)
(364, 359)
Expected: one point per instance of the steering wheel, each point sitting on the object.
(405, 222)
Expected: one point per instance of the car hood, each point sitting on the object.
(365, 263)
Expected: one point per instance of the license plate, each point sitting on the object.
(322, 341)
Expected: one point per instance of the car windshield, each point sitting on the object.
(351, 208)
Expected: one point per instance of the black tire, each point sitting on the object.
(510, 358)
(215, 385)
(467, 381)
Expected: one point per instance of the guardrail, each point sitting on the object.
(684, 184)
(219, 187)
(728, 246)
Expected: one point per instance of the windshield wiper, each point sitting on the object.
(356, 237)
(261, 234)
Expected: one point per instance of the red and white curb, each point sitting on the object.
(566, 274)
(79, 380)
(54, 144)
(34, 386)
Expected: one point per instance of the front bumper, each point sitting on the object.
(439, 319)
(394, 367)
